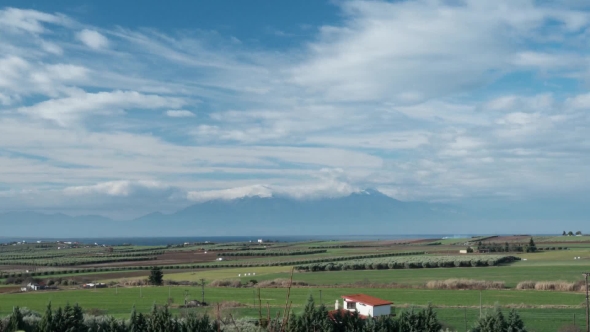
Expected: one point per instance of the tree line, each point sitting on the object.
(506, 247)
(273, 253)
(313, 318)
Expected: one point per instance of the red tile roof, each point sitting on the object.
(366, 299)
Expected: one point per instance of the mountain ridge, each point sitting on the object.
(256, 215)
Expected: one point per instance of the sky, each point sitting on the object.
(125, 108)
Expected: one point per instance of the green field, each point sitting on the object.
(118, 302)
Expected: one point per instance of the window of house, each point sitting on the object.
(350, 305)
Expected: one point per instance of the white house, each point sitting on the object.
(365, 305)
(260, 241)
(34, 286)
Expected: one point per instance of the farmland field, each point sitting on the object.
(541, 310)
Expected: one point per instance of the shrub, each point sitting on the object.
(526, 285)
(464, 284)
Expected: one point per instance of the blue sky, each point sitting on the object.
(120, 109)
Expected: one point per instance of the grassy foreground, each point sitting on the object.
(453, 305)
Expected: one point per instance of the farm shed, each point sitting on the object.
(365, 305)
(34, 286)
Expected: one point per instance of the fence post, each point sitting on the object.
(465, 312)
(480, 304)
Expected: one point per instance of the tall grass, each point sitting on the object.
(560, 286)
(464, 284)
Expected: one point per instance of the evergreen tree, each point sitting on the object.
(196, 324)
(431, 323)
(69, 319)
(312, 319)
(137, 322)
(531, 246)
(59, 320)
(15, 322)
(410, 321)
(491, 322)
(141, 324)
(161, 320)
(116, 326)
(156, 276)
(515, 323)
(46, 323)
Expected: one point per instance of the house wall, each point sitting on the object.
(381, 310)
(368, 310)
(364, 309)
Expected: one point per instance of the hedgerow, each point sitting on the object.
(411, 262)
(272, 253)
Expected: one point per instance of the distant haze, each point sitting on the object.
(368, 212)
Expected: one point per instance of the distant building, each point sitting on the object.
(260, 241)
(365, 305)
(34, 286)
(463, 251)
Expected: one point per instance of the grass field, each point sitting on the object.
(118, 302)
(509, 274)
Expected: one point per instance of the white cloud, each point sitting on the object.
(328, 183)
(93, 39)
(65, 111)
(180, 114)
(115, 188)
(51, 48)
(423, 49)
(29, 20)
(548, 60)
(231, 193)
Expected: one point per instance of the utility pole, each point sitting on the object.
(203, 290)
(480, 304)
(321, 297)
(465, 313)
(587, 309)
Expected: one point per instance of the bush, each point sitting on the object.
(526, 285)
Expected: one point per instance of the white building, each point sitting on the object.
(33, 286)
(365, 305)
(260, 241)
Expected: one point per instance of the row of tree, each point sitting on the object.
(506, 247)
(570, 233)
(313, 318)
